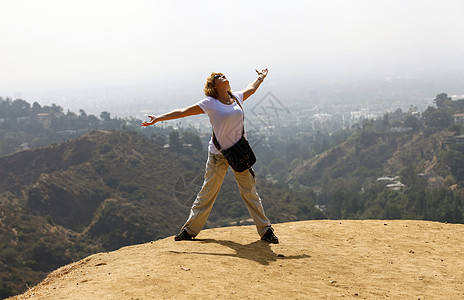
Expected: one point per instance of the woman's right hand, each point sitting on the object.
(151, 122)
(262, 74)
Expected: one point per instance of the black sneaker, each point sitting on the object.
(270, 237)
(183, 236)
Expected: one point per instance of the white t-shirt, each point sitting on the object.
(226, 119)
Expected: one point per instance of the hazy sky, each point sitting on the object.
(59, 44)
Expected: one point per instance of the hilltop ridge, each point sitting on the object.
(369, 259)
(105, 190)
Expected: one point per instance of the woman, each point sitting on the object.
(224, 109)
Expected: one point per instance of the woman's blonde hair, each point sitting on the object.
(209, 89)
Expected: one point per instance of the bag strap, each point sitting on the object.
(215, 141)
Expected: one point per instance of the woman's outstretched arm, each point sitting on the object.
(252, 87)
(175, 114)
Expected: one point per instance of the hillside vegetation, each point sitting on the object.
(111, 188)
(105, 190)
(415, 171)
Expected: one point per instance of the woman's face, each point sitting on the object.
(220, 80)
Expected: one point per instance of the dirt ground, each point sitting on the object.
(370, 259)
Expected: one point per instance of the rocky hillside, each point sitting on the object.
(103, 191)
(375, 154)
(430, 144)
(371, 259)
(78, 184)
(95, 193)
(413, 174)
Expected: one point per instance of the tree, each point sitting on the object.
(444, 205)
(276, 166)
(105, 116)
(412, 122)
(36, 108)
(71, 114)
(438, 118)
(159, 139)
(20, 108)
(441, 99)
(5, 290)
(93, 120)
(193, 139)
(53, 110)
(292, 152)
(386, 121)
(455, 161)
(174, 142)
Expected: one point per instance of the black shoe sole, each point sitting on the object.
(183, 236)
(271, 242)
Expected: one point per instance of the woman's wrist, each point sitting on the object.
(260, 78)
(153, 119)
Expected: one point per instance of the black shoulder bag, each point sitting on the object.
(240, 156)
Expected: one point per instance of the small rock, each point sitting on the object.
(185, 269)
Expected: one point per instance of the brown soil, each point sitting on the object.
(370, 259)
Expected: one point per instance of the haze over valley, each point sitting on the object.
(360, 117)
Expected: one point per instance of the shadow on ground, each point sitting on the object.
(258, 251)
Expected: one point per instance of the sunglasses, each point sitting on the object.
(217, 76)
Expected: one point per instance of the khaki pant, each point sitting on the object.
(216, 168)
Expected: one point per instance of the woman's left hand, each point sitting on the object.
(263, 73)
